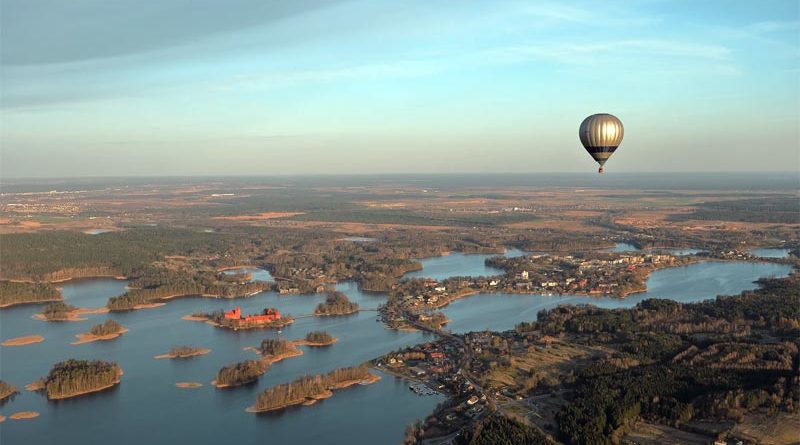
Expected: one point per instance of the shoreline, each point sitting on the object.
(62, 280)
(20, 303)
(73, 315)
(307, 401)
(224, 268)
(161, 301)
(89, 337)
(313, 344)
(342, 314)
(81, 393)
(22, 341)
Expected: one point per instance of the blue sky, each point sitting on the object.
(105, 88)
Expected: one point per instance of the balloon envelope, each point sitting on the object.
(600, 135)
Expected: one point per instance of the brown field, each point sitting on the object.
(259, 217)
(770, 429)
(645, 433)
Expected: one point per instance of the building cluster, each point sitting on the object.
(268, 315)
(546, 274)
(435, 365)
(295, 280)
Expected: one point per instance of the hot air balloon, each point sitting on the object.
(600, 135)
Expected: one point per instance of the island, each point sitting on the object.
(317, 338)
(59, 311)
(22, 341)
(72, 378)
(7, 392)
(107, 330)
(307, 390)
(183, 352)
(336, 303)
(241, 373)
(274, 350)
(269, 318)
(189, 385)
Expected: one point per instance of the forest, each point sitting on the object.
(158, 283)
(273, 347)
(307, 387)
(779, 209)
(716, 359)
(18, 293)
(501, 430)
(75, 377)
(336, 303)
(51, 256)
(241, 373)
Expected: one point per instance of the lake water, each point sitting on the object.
(459, 265)
(258, 274)
(147, 407)
(771, 253)
(623, 247)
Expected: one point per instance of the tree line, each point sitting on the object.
(336, 303)
(241, 373)
(108, 327)
(73, 377)
(18, 293)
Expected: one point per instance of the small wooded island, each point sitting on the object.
(73, 378)
(59, 311)
(183, 352)
(307, 390)
(317, 338)
(107, 330)
(241, 373)
(336, 303)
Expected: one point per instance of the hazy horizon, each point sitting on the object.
(249, 87)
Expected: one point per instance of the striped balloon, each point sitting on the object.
(601, 134)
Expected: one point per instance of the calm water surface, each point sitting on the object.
(147, 407)
(623, 247)
(258, 274)
(771, 253)
(459, 265)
